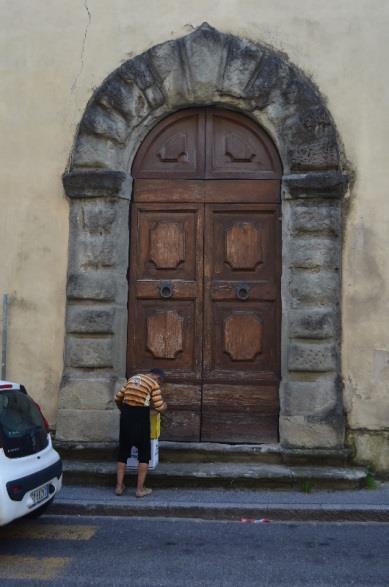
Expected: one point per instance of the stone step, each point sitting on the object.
(225, 474)
(250, 453)
(190, 452)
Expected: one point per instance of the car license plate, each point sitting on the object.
(39, 494)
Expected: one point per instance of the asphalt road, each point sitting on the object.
(154, 552)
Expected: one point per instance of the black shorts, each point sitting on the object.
(134, 431)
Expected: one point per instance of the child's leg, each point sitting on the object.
(141, 491)
(120, 472)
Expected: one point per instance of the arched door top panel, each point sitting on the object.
(207, 143)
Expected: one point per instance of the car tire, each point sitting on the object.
(39, 511)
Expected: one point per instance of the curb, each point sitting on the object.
(226, 512)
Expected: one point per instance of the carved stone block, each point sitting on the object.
(309, 398)
(319, 288)
(88, 425)
(83, 319)
(303, 356)
(312, 323)
(92, 151)
(89, 352)
(100, 286)
(315, 217)
(314, 253)
(87, 394)
(298, 432)
(168, 61)
(106, 123)
(204, 52)
(242, 60)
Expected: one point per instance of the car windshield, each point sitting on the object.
(22, 429)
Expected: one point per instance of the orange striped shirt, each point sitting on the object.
(141, 390)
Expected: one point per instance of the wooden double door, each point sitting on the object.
(204, 303)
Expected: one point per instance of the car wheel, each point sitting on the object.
(39, 511)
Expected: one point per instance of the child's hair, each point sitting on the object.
(159, 372)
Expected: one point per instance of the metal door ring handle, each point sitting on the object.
(242, 292)
(166, 290)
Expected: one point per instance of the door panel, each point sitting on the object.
(236, 149)
(165, 304)
(241, 320)
(167, 242)
(244, 242)
(166, 336)
(175, 148)
(182, 420)
(239, 413)
(240, 342)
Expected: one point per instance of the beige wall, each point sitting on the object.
(53, 54)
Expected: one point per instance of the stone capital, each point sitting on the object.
(97, 184)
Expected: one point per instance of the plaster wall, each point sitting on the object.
(52, 57)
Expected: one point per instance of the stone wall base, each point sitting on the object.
(88, 410)
(371, 449)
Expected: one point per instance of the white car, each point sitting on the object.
(30, 468)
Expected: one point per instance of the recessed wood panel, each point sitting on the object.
(174, 148)
(242, 336)
(241, 354)
(238, 148)
(164, 338)
(239, 413)
(243, 245)
(167, 335)
(167, 244)
(244, 242)
(182, 420)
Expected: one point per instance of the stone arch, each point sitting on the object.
(206, 67)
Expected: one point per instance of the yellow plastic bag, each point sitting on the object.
(155, 426)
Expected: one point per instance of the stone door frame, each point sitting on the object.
(205, 68)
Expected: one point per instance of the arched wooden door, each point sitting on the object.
(204, 286)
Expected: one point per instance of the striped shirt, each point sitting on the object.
(141, 390)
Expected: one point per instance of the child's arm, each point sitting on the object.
(158, 403)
